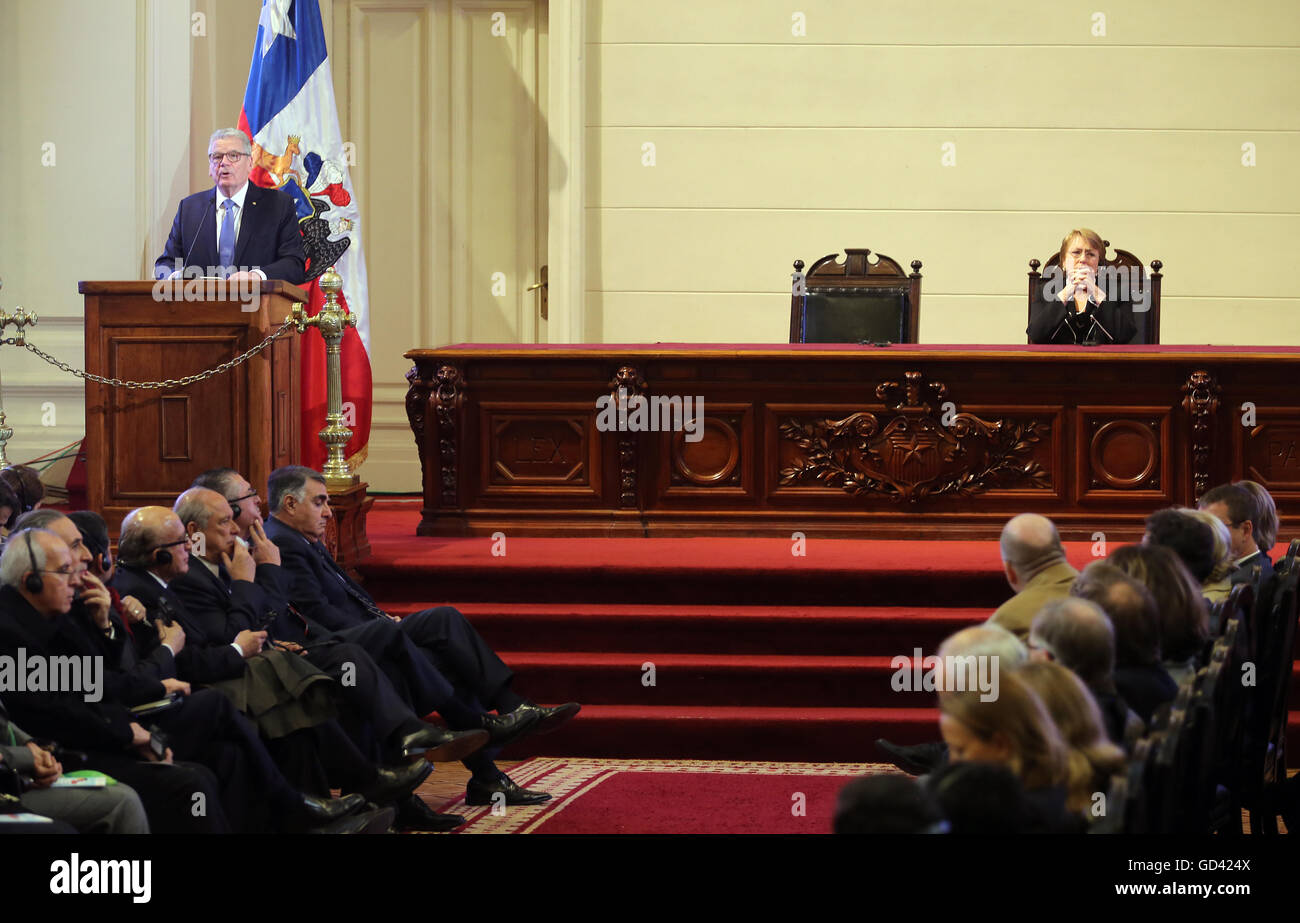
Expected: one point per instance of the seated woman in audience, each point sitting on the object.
(1070, 306)
(1184, 616)
(1091, 759)
(1217, 585)
(1012, 729)
(21, 491)
(1144, 684)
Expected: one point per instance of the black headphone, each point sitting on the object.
(236, 509)
(34, 583)
(162, 557)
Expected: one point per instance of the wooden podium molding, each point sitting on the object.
(143, 447)
(903, 442)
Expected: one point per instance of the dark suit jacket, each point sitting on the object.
(206, 658)
(318, 587)
(1258, 559)
(225, 607)
(269, 238)
(1046, 316)
(63, 716)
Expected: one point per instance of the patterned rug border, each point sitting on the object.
(569, 778)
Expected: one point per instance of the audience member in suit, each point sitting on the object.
(225, 588)
(1184, 615)
(1035, 565)
(1141, 680)
(1074, 293)
(39, 580)
(1091, 757)
(984, 799)
(267, 243)
(269, 686)
(324, 593)
(1236, 507)
(1012, 729)
(1077, 634)
(989, 641)
(1267, 524)
(205, 726)
(111, 809)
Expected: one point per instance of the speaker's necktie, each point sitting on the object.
(226, 246)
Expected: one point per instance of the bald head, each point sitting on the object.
(198, 505)
(985, 641)
(146, 532)
(1030, 544)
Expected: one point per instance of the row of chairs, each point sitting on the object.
(861, 300)
(1221, 748)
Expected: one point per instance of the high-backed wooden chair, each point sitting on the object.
(857, 301)
(1129, 269)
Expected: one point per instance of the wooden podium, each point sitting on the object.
(146, 446)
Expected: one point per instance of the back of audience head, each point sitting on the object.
(1077, 634)
(992, 642)
(24, 484)
(10, 506)
(979, 798)
(1030, 544)
(1184, 617)
(1224, 559)
(1266, 524)
(1131, 609)
(1092, 759)
(886, 804)
(1190, 538)
(1012, 729)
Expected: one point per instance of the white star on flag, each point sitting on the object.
(275, 21)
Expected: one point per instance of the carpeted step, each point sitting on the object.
(720, 680)
(720, 733)
(711, 629)
(692, 571)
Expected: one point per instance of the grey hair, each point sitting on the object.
(290, 481)
(190, 507)
(18, 560)
(244, 144)
(37, 519)
(986, 640)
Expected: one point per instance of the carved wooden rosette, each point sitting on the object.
(448, 395)
(629, 379)
(916, 452)
(1201, 401)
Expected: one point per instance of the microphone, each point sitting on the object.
(186, 261)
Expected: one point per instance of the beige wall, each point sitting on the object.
(771, 147)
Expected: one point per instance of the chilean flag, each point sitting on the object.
(290, 115)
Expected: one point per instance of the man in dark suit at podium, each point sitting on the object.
(235, 230)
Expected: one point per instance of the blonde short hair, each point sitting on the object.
(1089, 235)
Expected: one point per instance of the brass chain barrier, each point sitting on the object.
(286, 327)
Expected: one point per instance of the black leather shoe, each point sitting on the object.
(414, 814)
(506, 729)
(548, 719)
(376, 821)
(398, 782)
(917, 759)
(438, 745)
(317, 811)
(479, 793)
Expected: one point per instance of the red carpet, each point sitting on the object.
(670, 797)
(698, 648)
